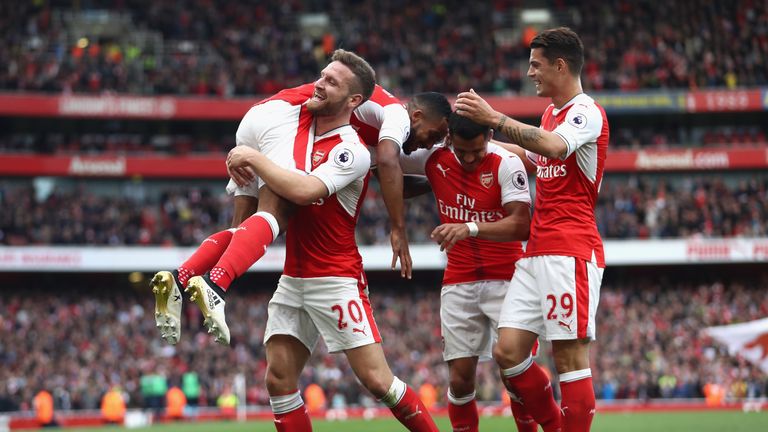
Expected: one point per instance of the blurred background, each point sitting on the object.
(116, 116)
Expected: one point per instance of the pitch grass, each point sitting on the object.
(716, 421)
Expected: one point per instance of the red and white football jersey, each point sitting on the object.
(382, 116)
(320, 239)
(474, 196)
(566, 189)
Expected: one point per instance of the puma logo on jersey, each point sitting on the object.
(565, 324)
(443, 170)
(357, 330)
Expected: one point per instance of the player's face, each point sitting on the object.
(469, 152)
(426, 132)
(542, 72)
(332, 93)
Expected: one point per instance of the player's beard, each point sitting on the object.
(327, 109)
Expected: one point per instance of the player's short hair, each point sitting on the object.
(466, 128)
(433, 104)
(564, 43)
(365, 76)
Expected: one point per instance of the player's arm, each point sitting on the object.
(297, 188)
(391, 181)
(515, 226)
(530, 168)
(531, 138)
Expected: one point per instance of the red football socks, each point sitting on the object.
(412, 413)
(248, 245)
(464, 416)
(529, 382)
(578, 404)
(523, 420)
(205, 256)
(290, 413)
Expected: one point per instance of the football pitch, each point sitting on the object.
(615, 422)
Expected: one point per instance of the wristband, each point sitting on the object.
(473, 229)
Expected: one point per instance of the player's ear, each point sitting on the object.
(356, 100)
(490, 135)
(561, 64)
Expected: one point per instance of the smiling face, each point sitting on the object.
(543, 73)
(332, 90)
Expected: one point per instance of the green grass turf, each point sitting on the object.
(614, 422)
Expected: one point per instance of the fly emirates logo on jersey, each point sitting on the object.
(464, 210)
(546, 171)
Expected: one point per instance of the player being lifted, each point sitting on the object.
(323, 289)
(556, 287)
(382, 120)
(482, 195)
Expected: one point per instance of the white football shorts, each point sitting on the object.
(553, 296)
(336, 308)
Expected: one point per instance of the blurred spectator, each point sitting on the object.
(113, 406)
(314, 395)
(43, 405)
(175, 403)
(227, 401)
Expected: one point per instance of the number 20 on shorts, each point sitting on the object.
(354, 310)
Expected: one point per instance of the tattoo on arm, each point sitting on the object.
(522, 136)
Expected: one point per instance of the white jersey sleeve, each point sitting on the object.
(512, 177)
(583, 124)
(396, 125)
(258, 120)
(532, 157)
(415, 163)
(346, 163)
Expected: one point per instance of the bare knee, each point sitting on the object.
(513, 347)
(461, 385)
(280, 380)
(507, 356)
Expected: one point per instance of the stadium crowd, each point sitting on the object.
(225, 48)
(117, 142)
(136, 213)
(651, 344)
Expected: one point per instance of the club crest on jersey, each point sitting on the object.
(344, 158)
(486, 179)
(317, 157)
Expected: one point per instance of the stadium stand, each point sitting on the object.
(146, 213)
(81, 342)
(115, 117)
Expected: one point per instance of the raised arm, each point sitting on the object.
(532, 138)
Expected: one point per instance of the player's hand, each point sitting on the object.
(472, 106)
(240, 156)
(446, 235)
(242, 176)
(400, 251)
